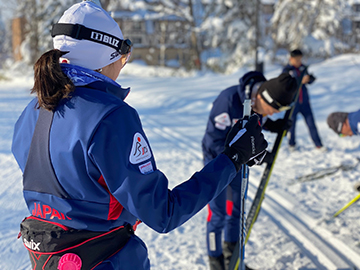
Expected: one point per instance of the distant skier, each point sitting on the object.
(89, 174)
(295, 67)
(268, 97)
(345, 124)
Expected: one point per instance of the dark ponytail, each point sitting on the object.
(50, 83)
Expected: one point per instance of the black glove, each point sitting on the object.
(312, 79)
(263, 157)
(242, 144)
(278, 125)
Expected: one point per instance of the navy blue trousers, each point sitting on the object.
(305, 110)
(224, 215)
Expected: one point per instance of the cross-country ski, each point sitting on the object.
(321, 173)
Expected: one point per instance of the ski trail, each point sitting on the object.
(12, 205)
(174, 137)
(316, 243)
(324, 250)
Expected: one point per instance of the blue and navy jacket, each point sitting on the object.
(227, 109)
(103, 160)
(354, 121)
(296, 72)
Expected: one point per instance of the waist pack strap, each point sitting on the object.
(50, 244)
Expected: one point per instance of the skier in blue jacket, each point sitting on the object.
(268, 97)
(345, 124)
(295, 67)
(89, 174)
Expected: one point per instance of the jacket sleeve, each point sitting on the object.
(219, 124)
(286, 69)
(354, 121)
(122, 153)
(292, 71)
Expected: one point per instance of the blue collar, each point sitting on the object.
(86, 77)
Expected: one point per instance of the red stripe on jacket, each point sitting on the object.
(229, 207)
(209, 214)
(115, 208)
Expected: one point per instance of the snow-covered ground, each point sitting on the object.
(294, 229)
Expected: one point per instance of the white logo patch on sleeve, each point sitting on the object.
(140, 150)
(222, 121)
(146, 168)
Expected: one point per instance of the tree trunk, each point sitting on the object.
(33, 22)
(194, 39)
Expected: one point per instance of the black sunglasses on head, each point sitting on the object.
(79, 31)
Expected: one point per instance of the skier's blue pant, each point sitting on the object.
(228, 202)
(305, 109)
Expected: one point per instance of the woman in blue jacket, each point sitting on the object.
(89, 174)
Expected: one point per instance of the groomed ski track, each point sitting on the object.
(316, 243)
(324, 250)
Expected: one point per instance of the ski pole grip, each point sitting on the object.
(246, 111)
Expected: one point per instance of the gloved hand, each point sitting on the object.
(278, 125)
(242, 144)
(311, 79)
(263, 157)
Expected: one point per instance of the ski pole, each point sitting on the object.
(260, 193)
(357, 197)
(244, 187)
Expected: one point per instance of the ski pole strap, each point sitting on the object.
(49, 242)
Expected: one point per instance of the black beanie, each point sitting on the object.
(336, 121)
(281, 89)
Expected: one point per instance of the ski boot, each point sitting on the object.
(217, 263)
(228, 249)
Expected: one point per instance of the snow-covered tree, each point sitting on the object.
(224, 27)
(39, 15)
(188, 10)
(229, 27)
(6, 9)
(2, 41)
(217, 27)
(311, 25)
